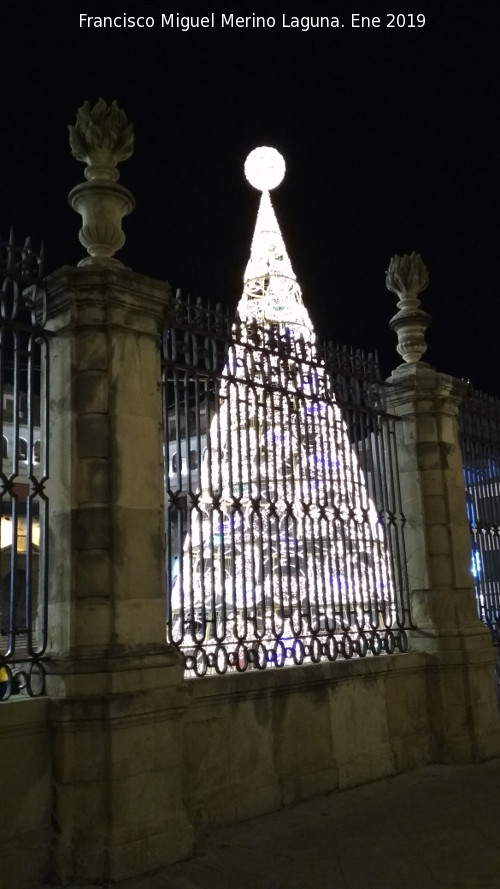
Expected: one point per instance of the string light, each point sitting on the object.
(283, 538)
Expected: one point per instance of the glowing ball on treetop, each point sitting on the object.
(265, 168)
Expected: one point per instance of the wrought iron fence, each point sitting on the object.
(24, 470)
(284, 528)
(480, 439)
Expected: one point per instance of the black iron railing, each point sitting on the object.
(24, 470)
(480, 439)
(284, 528)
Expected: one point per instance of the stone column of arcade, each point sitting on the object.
(460, 655)
(114, 684)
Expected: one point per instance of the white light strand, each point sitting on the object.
(294, 537)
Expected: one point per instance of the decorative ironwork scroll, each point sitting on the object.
(24, 470)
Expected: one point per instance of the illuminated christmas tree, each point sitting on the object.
(284, 541)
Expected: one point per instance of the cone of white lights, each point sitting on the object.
(285, 546)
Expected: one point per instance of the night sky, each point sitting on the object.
(390, 136)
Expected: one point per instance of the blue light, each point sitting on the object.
(476, 564)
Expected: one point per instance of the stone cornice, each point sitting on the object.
(96, 295)
(415, 385)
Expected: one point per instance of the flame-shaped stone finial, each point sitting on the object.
(407, 276)
(101, 138)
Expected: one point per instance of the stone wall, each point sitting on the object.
(26, 829)
(233, 747)
(256, 742)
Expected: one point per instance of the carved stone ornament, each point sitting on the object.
(407, 276)
(101, 138)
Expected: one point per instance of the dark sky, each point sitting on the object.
(390, 136)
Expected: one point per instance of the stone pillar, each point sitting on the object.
(461, 681)
(114, 684)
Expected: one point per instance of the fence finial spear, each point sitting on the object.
(407, 276)
(101, 138)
